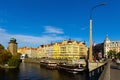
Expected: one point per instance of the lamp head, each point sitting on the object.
(104, 3)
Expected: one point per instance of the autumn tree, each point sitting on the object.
(5, 55)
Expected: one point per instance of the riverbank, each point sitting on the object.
(8, 67)
(37, 61)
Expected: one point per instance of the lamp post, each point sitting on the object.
(90, 47)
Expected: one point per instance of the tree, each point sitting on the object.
(1, 47)
(5, 55)
(7, 58)
(14, 61)
(111, 53)
(2, 50)
(118, 55)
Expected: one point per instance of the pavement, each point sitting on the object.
(94, 65)
(114, 71)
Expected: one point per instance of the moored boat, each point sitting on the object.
(48, 64)
(51, 65)
(71, 68)
(43, 63)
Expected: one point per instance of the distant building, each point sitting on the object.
(30, 52)
(67, 49)
(105, 47)
(111, 45)
(98, 50)
(12, 46)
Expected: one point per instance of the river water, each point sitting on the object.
(30, 71)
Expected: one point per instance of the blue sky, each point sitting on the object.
(36, 22)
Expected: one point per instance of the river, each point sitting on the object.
(30, 71)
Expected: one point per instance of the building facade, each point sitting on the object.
(67, 49)
(30, 52)
(12, 46)
(111, 45)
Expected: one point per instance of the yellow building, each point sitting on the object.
(72, 49)
(67, 49)
(56, 50)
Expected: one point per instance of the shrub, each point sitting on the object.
(14, 61)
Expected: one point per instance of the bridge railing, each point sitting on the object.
(96, 73)
(106, 73)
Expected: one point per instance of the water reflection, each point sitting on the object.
(9, 74)
(28, 71)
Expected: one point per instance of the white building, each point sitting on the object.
(111, 45)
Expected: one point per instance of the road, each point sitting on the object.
(114, 72)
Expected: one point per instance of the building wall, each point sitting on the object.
(56, 50)
(59, 50)
(111, 45)
(31, 52)
(41, 51)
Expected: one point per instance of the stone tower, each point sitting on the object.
(12, 46)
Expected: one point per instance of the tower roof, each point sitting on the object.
(107, 39)
(12, 40)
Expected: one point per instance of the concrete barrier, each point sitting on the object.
(106, 73)
(95, 73)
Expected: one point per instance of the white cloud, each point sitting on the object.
(28, 40)
(51, 29)
(33, 41)
(83, 28)
(2, 30)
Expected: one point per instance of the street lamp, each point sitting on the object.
(90, 47)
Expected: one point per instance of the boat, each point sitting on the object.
(71, 68)
(48, 64)
(43, 63)
(51, 65)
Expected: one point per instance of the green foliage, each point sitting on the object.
(2, 50)
(112, 53)
(118, 55)
(14, 61)
(7, 57)
(4, 55)
(1, 47)
(17, 55)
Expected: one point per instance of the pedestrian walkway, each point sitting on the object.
(94, 65)
(114, 72)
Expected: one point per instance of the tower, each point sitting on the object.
(12, 46)
(106, 46)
